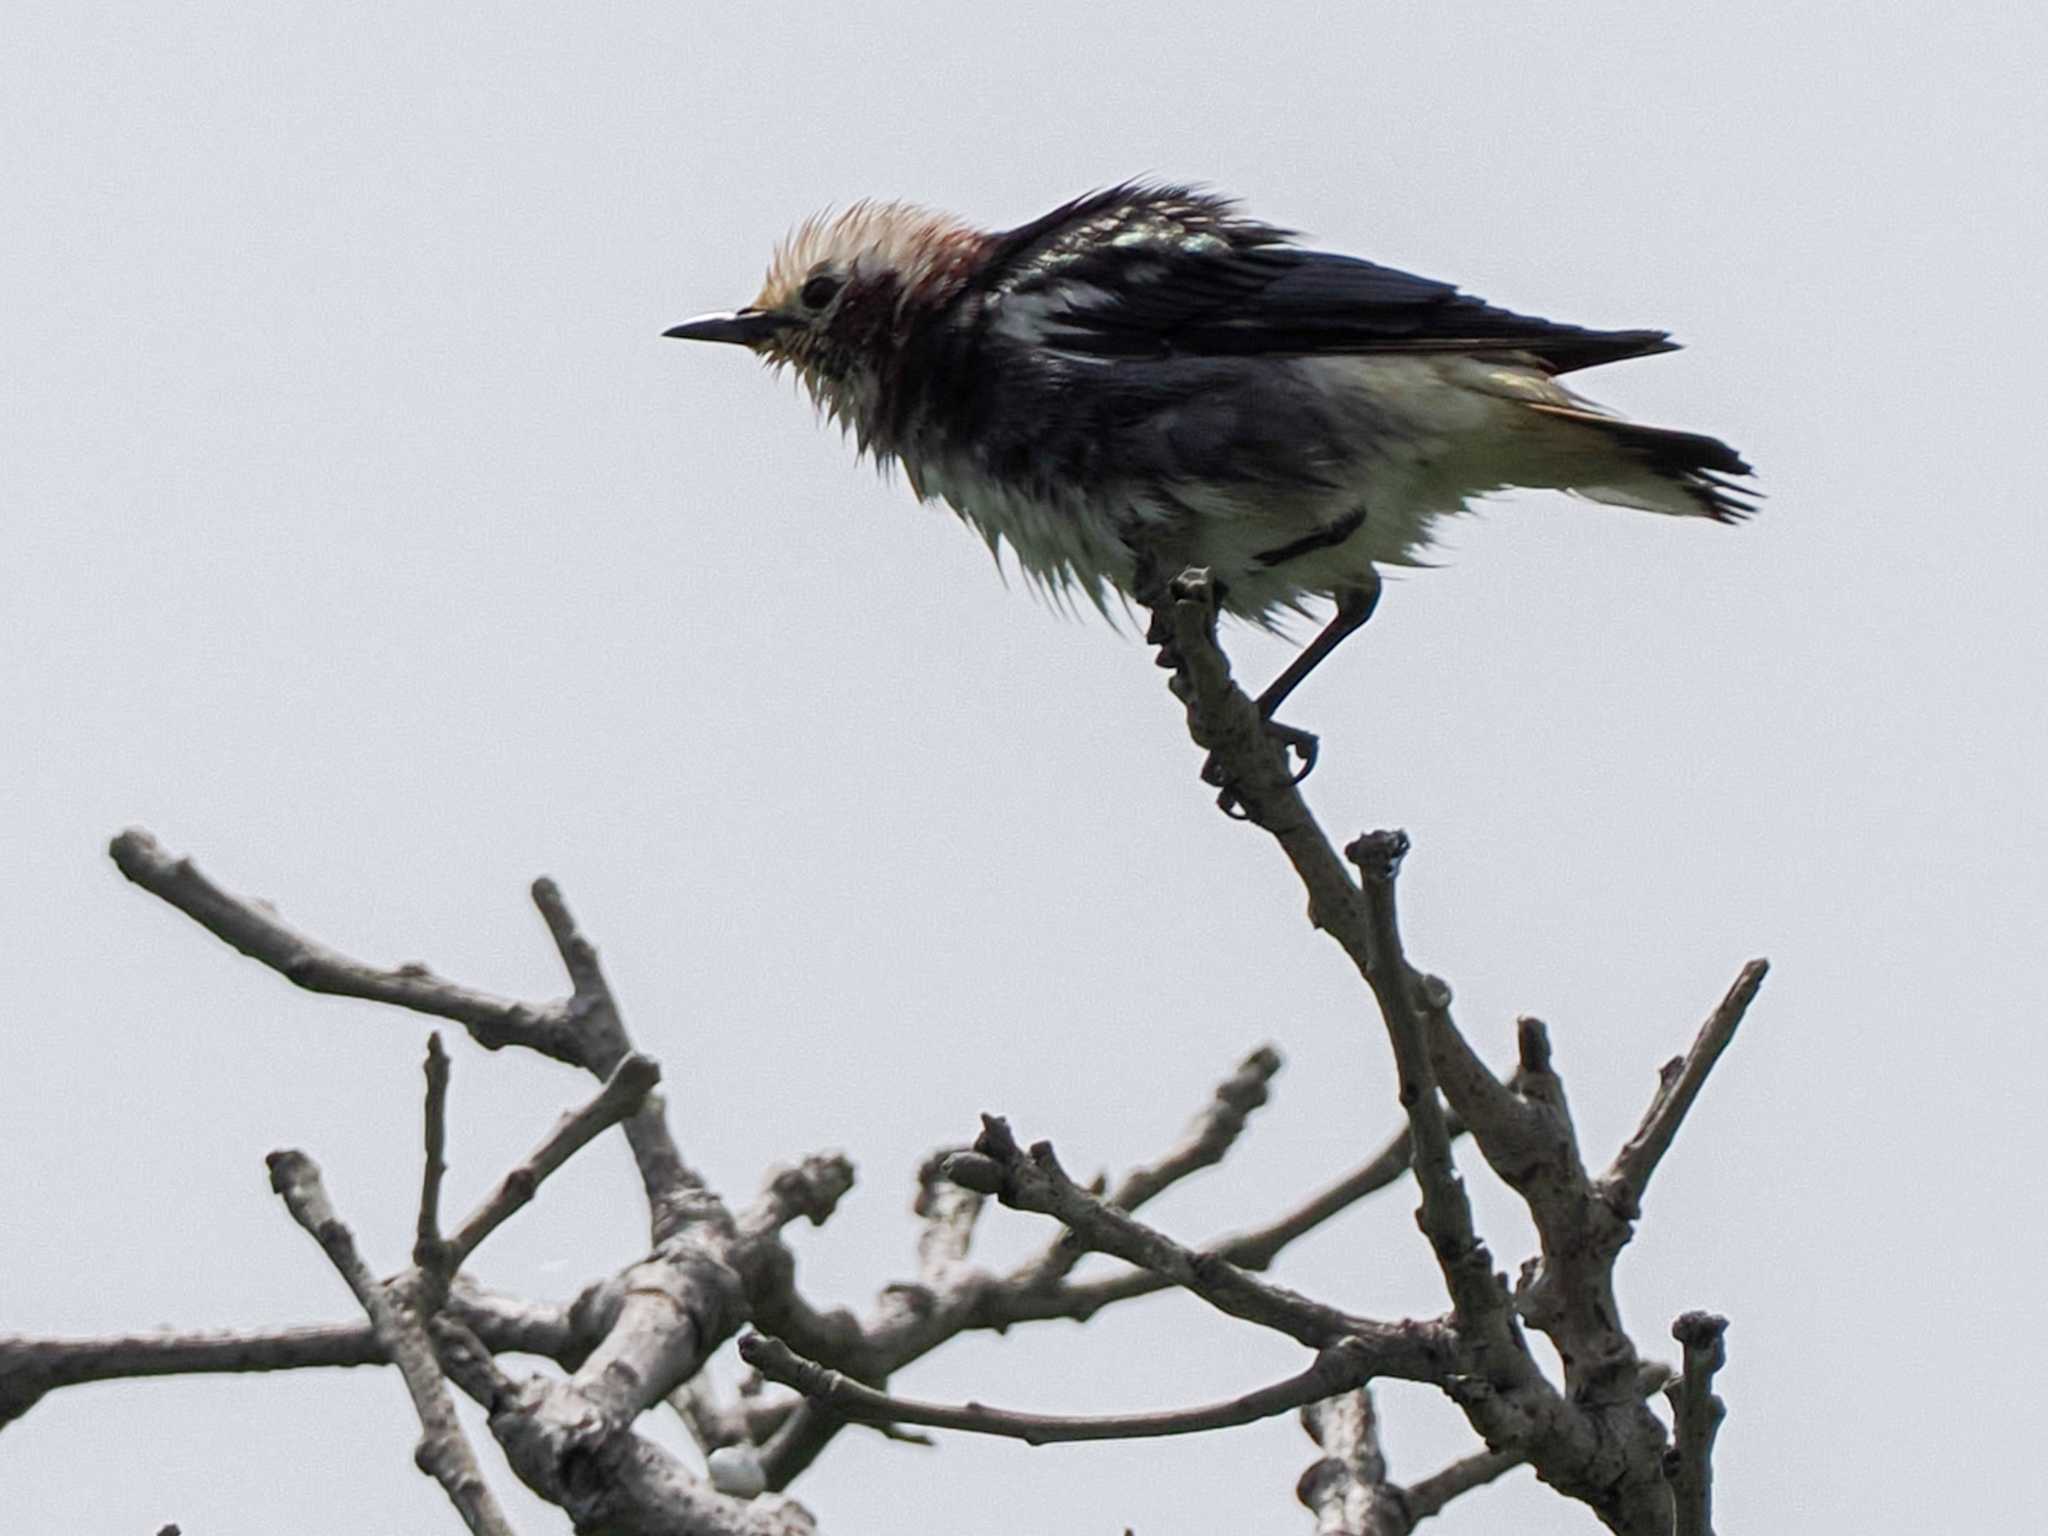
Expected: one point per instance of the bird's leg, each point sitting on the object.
(1354, 607)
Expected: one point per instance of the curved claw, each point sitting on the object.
(1292, 740)
(1303, 744)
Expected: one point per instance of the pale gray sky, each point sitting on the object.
(366, 542)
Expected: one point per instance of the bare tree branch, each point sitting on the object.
(1208, 1139)
(1251, 768)
(1680, 1084)
(1696, 1414)
(1254, 1249)
(429, 1252)
(1478, 1300)
(676, 1194)
(1254, 772)
(1035, 1181)
(1602, 1448)
(947, 1213)
(630, 1083)
(443, 1451)
(1257, 1248)
(31, 1367)
(493, 1022)
(1347, 1489)
(951, 1295)
(617, 1482)
(645, 1333)
(583, 1030)
(1432, 1493)
(1337, 1368)
(749, 1419)
(812, 1190)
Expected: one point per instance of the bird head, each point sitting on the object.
(842, 297)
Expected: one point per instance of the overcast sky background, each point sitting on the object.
(364, 541)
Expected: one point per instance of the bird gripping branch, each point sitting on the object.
(1145, 379)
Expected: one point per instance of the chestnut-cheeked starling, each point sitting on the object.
(1146, 379)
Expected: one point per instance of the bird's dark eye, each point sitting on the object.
(821, 290)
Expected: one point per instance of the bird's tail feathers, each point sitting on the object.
(1685, 474)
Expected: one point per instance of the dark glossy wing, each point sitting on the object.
(1165, 271)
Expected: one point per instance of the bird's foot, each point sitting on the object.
(1294, 743)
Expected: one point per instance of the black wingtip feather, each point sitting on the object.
(1564, 352)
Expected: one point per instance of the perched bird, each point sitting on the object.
(1146, 379)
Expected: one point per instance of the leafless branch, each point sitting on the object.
(1208, 1140)
(1479, 1302)
(443, 1450)
(1696, 1414)
(1251, 768)
(645, 1333)
(584, 1030)
(1600, 1444)
(751, 1418)
(31, 1367)
(810, 1190)
(604, 1479)
(257, 932)
(676, 1193)
(428, 1250)
(1679, 1085)
(630, 1083)
(1432, 1493)
(1254, 1249)
(1347, 1488)
(1034, 1181)
(1336, 1369)
(947, 1214)
(951, 1295)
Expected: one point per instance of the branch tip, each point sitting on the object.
(974, 1170)
(1378, 855)
(1696, 1414)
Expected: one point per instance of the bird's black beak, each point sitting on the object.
(744, 327)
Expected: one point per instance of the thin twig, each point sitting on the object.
(952, 1295)
(1479, 1302)
(584, 1030)
(1679, 1085)
(428, 1251)
(256, 931)
(677, 1195)
(31, 1367)
(443, 1450)
(1035, 1181)
(1432, 1493)
(631, 1081)
(1337, 1368)
(1696, 1414)
(1254, 1249)
(1208, 1139)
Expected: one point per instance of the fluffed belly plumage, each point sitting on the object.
(1298, 493)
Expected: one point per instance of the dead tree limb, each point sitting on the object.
(642, 1335)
